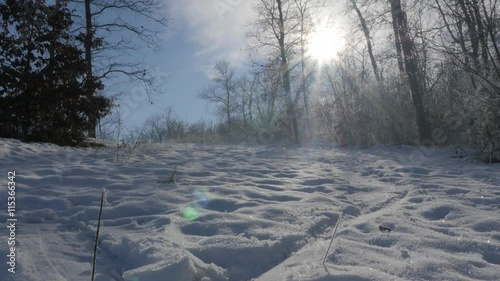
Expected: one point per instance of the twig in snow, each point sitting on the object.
(170, 179)
(333, 236)
(384, 229)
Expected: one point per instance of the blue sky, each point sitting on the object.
(204, 32)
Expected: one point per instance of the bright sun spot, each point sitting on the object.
(325, 43)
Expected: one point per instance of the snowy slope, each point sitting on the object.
(243, 213)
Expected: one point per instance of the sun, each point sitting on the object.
(325, 43)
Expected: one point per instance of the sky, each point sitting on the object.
(203, 32)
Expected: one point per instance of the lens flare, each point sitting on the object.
(200, 197)
(190, 213)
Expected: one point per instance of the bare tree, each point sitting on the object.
(115, 26)
(275, 33)
(411, 68)
(307, 10)
(368, 39)
(469, 46)
(246, 89)
(472, 26)
(222, 92)
(267, 89)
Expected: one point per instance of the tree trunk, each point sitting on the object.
(366, 32)
(411, 67)
(88, 58)
(228, 114)
(305, 95)
(482, 34)
(460, 40)
(490, 27)
(473, 34)
(290, 108)
(397, 42)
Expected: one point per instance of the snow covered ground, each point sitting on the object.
(241, 213)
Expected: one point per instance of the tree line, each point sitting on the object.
(419, 72)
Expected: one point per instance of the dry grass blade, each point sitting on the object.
(333, 236)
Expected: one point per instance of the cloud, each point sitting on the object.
(217, 27)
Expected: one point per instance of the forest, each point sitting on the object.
(417, 72)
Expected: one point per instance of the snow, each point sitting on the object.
(252, 213)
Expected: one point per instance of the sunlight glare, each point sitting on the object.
(325, 43)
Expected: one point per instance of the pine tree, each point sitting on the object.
(42, 75)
